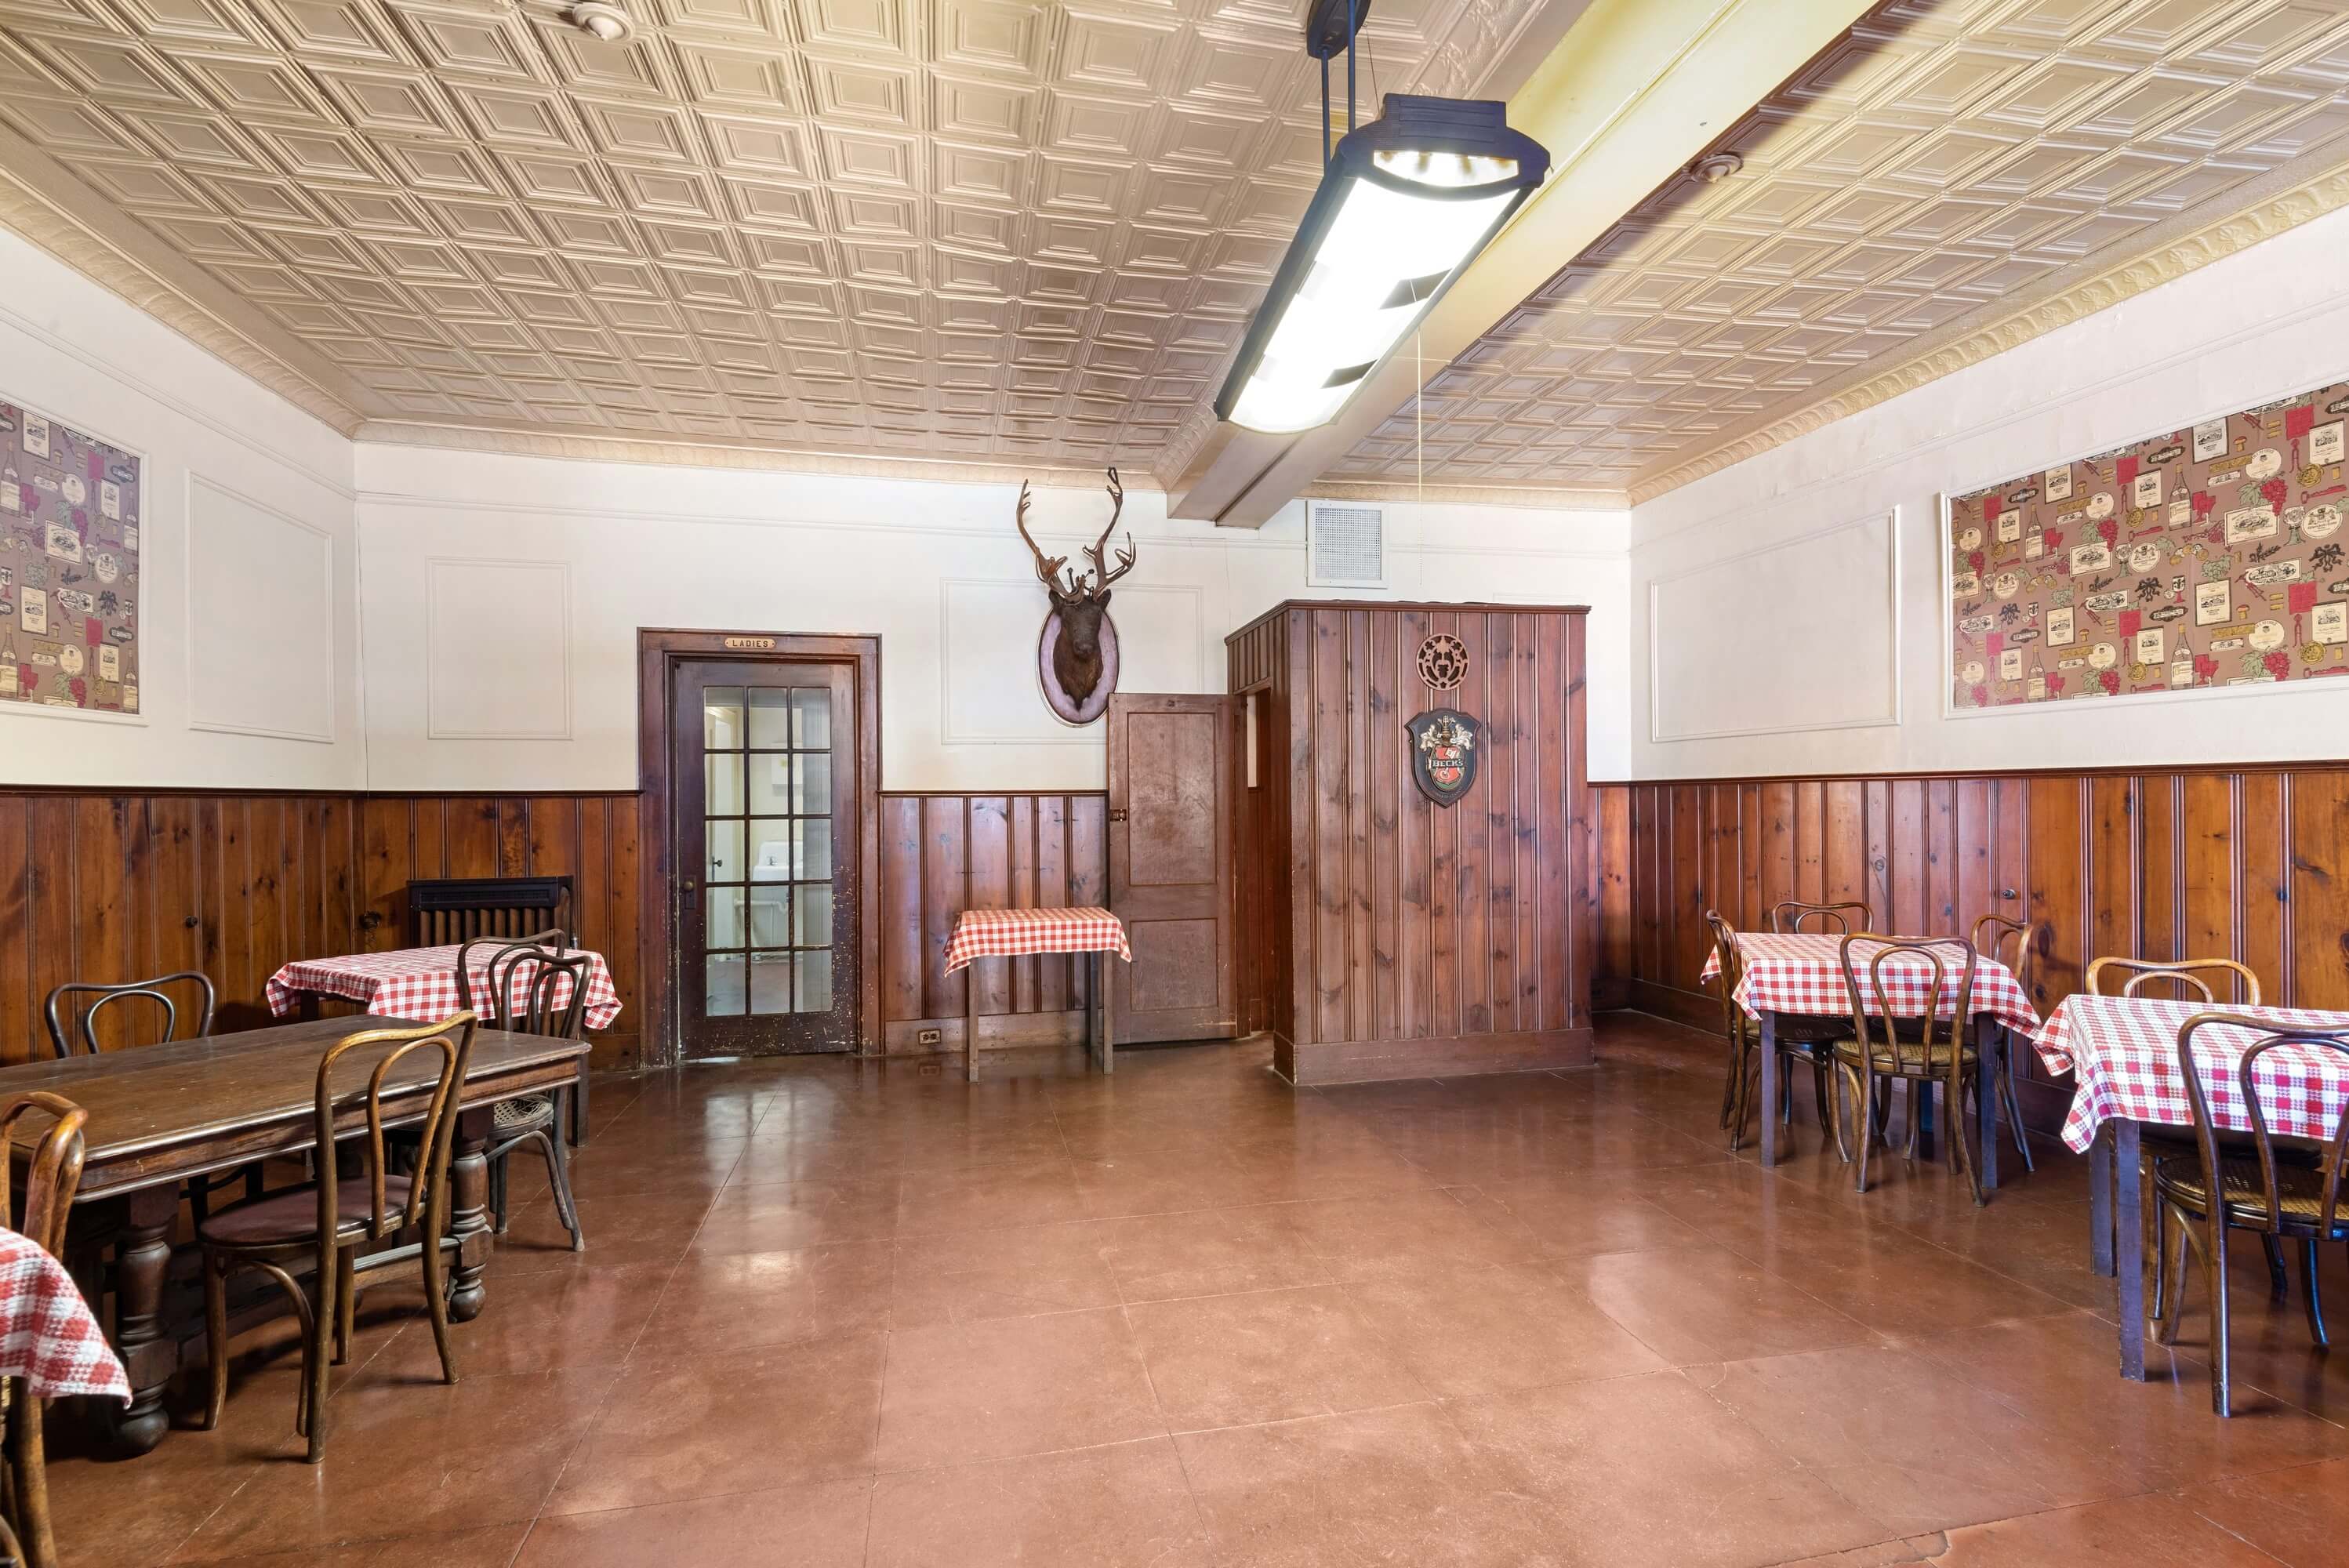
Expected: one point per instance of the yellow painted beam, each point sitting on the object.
(1633, 91)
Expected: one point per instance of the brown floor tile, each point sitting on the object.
(494, 1547)
(1122, 1506)
(736, 1299)
(718, 1419)
(2121, 1436)
(1409, 1233)
(609, 1171)
(782, 1216)
(1481, 1331)
(1209, 1252)
(1647, 1470)
(1573, 1213)
(1229, 1360)
(2151, 1531)
(1883, 1276)
(1013, 1385)
(412, 1458)
(2298, 1516)
(1917, 1444)
(1707, 1303)
(582, 1319)
(1017, 1271)
(639, 1230)
(1031, 1193)
(1398, 1487)
(819, 1524)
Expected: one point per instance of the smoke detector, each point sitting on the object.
(608, 22)
(1713, 167)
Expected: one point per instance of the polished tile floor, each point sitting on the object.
(834, 1316)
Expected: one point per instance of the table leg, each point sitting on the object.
(1768, 1089)
(469, 1213)
(149, 1352)
(1101, 988)
(970, 1022)
(2129, 1246)
(1990, 1067)
(2100, 1202)
(579, 1107)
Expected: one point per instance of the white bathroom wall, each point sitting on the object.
(503, 595)
(1786, 613)
(247, 620)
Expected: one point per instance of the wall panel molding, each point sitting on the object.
(249, 601)
(499, 631)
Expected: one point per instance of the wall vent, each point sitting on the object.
(1345, 545)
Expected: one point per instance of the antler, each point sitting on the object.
(1102, 574)
(1048, 567)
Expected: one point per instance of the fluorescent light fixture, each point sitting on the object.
(1406, 203)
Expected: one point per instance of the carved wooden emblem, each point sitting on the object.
(1444, 754)
(1076, 653)
(1443, 661)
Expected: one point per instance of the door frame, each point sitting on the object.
(659, 649)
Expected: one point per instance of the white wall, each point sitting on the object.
(248, 624)
(501, 597)
(1778, 610)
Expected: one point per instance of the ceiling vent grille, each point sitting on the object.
(1345, 546)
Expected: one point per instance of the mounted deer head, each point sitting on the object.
(1086, 643)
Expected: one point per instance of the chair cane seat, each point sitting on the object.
(1910, 1058)
(524, 1113)
(293, 1215)
(2300, 1191)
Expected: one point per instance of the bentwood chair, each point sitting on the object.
(51, 1177)
(1935, 1048)
(1992, 937)
(1807, 1039)
(2193, 974)
(525, 979)
(554, 938)
(2196, 976)
(72, 1011)
(1787, 916)
(328, 1221)
(2294, 1198)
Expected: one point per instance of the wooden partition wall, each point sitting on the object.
(1388, 936)
(2249, 863)
(119, 885)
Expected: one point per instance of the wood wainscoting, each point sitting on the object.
(117, 885)
(943, 853)
(2247, 862)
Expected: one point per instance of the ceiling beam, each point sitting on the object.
(1633, 91)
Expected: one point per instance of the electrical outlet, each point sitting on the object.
(929, 1037)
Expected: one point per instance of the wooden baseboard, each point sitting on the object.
(1309, 1062)
(997, 1031)
(1697, 1009)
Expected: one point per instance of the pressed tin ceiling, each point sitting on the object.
(1001, 233)
(1945, 165)
(1013, 237)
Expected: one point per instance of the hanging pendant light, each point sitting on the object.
(1405, 204)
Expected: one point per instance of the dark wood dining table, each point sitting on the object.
(160, 1115)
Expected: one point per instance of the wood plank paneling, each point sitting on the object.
(2250, 863)
(943, 853)
(1469, 929)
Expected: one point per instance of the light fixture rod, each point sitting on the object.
(1327, 146)
(1353, 25)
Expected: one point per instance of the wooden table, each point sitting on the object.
(161, 1114)
(1790, 975)
(2122, 1052)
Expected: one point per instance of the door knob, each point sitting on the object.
(1117, 814)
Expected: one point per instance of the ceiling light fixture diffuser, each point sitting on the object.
(1406, 202)
(608, 22)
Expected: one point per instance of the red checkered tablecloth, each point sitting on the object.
(1804, 974)
(421, 983)
(47, 1336)
(2122, 1052)
(1007, 933)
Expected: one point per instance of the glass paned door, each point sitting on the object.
(765, 785)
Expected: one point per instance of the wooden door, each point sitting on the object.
(1171, 776)
(763, 761)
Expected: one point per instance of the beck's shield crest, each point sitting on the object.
(1444, 754)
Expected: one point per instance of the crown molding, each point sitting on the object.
(694, 454)
(1562, 498)
(42, 202)
(2203, 240)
